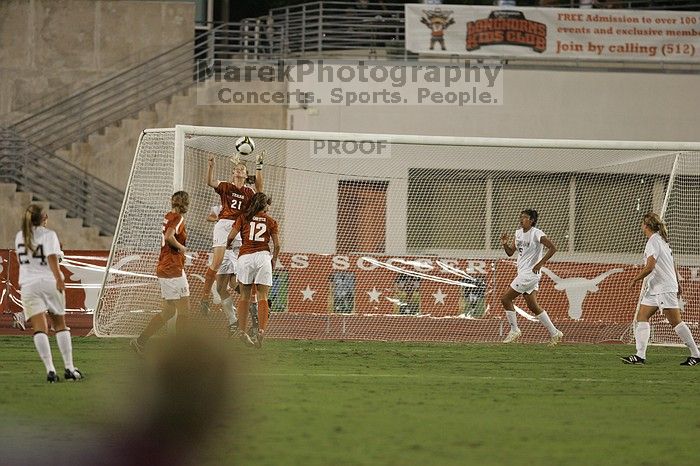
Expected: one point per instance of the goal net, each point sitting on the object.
(389, 237)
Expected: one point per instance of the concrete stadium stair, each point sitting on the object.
(71, 232)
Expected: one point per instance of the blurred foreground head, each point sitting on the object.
(174, 399)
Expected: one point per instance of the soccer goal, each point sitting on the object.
(390, 237)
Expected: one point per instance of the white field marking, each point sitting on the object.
(456, 377)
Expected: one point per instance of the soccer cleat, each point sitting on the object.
(634, 359)
(691, 361)
(259, 339)
(75, 374)
(556, 338)
(137, 347)
(52, 377)
(245, 339)
(512, 336)
(18, 321)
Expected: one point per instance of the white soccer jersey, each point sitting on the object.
(663, 278)
(529, 248)
(237, 241)
(34, 266)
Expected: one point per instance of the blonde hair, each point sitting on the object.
(655, 224)
(180, 201)
(33, 217)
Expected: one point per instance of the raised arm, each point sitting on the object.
(508, 244)
(551, 249)
(259, 159)
(210, 174)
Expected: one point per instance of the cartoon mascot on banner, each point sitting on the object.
(437, 21)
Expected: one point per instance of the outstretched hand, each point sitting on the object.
(259, 159)
(505, 239)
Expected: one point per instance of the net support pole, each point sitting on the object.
(179, 158)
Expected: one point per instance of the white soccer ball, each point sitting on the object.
(245, 145)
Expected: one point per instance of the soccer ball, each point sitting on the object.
(245, 145)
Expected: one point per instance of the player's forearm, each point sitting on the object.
(550, 252)
(210, 177)
(55, 268)
(174, 243)
(259, 183)
(508, 249)
(642, 273)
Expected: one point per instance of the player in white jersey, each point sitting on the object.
(662, 292)
(42, 286)
(528, 242)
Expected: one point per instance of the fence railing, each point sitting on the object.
(59, 182)
(318, 29)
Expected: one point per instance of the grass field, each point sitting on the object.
(377, 403)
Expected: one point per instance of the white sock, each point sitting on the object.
(544, 319)
(641, 336)
(41, 342)
(684, 332)
(512, 320)
(230, 310)
(66, 347)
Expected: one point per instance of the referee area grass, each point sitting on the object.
(380, 403)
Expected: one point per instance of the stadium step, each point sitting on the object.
(71, 232)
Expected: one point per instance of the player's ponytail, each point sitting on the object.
(33, 217)
(655, 224)
(258, 203)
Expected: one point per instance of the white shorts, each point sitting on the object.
(221, 230)
(174, 288)
(255, 268)
(526, 284)
(662, 300)
(41, 296)
(228, 265)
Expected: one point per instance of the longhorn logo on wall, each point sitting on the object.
(437, 21)
(506, 27)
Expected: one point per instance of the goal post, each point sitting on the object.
(397, 237)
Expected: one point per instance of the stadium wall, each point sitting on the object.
(49, 48)
(538, 103)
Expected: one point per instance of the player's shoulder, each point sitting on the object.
(44, 232)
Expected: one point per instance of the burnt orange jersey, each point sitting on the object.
(233, 200)
(256, 233)
(171, 261)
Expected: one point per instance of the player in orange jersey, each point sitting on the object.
(235, 197)
(170, 270)
(255, 262)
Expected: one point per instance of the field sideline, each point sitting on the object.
(379, 403)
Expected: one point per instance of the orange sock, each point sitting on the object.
(242, 312)
(209, 278)
(263, 313)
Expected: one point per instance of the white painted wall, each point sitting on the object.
(540, 104)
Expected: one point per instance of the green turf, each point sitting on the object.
(376, 403)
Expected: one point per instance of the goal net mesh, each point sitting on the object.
(399, 241)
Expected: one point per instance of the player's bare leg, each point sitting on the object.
(507, 301)
(210, 277)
